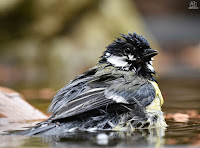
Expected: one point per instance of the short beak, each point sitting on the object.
(150, 53)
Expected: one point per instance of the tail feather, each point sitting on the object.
(36, 130)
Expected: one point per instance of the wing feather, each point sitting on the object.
(81, 108)
(87, 93)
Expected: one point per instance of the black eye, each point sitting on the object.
(128, 50)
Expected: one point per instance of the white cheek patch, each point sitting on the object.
(118, 61)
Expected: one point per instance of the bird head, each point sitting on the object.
(131, 52)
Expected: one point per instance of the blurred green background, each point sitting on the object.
(46, 43)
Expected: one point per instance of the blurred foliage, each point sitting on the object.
(47, 43)
(15, 22)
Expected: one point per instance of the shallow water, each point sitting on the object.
(180, 96)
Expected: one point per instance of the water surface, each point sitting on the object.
(181, 96)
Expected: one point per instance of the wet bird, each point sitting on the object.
(119, 93)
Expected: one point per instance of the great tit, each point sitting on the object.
(119, 93)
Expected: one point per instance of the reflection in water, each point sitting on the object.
(21, 141)
(179, 133)
(140, 137)
(12, 141)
